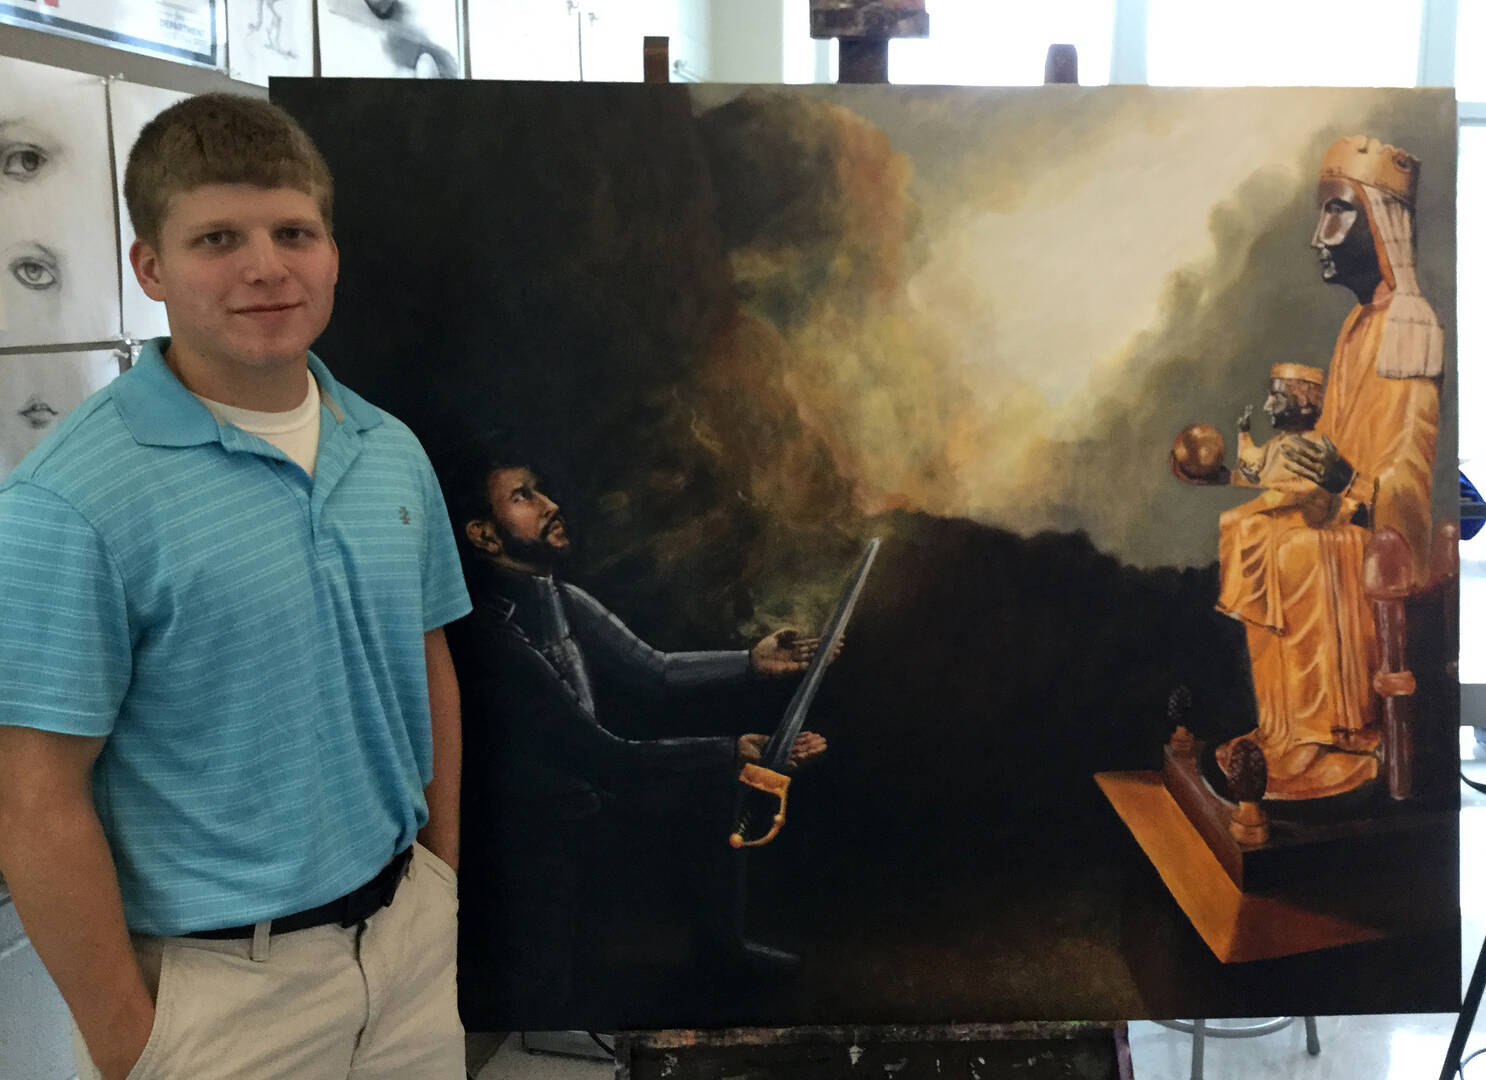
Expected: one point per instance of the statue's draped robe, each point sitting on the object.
(1291, 569)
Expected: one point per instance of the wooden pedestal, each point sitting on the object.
(1345, 894)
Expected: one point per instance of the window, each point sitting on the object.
(976, 43)
(1283, 43)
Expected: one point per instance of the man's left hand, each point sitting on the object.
(784, 652)
(807, 747)
(1319, 462)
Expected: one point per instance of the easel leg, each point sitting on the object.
(1467, 1018)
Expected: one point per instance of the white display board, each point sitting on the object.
(59, 260)
(270, 37)
(186, 30)
(524, 39)
(131, 107)
(38, 389)
(390, 38)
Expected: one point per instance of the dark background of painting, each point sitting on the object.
(552, 261)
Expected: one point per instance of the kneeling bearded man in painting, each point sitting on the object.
(541, 764)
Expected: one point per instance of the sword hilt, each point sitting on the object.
(770, 783)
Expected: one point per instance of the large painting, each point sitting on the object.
(1114, 431)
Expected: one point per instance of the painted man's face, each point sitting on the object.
(1343, 237)
(1289, 408)
(530, 525)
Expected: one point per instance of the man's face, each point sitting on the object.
(1343, 237)
(531, 528)
(1287, 409)
(247, 274)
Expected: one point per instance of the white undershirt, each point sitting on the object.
(296, 432)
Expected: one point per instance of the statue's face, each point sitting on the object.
(1343, 237)
(1287, 409)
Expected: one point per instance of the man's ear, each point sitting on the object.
(146, 263)
(482, 534)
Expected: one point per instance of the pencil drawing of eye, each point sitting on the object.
(22, 161)
(36, 269)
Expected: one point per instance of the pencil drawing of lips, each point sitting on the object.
(38, 413)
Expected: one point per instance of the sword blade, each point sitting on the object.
(776, 754)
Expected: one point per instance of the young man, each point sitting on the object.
(226, 705)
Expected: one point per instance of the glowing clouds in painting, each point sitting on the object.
(58, 263)
(38, 390)
(989, 313)
(390, 38)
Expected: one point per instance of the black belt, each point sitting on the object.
(356, 906)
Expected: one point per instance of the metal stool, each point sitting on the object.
(1200, 1033)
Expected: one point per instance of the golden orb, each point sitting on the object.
(1198, 451)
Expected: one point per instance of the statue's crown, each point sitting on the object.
(1303, 372)
(1368, 161)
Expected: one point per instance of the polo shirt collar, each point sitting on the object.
(158, 410)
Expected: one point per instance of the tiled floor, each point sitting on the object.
(1410, 1047)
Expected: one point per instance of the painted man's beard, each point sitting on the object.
(1294, 417)
(540, 552)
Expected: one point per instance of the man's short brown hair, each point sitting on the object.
(219, 139)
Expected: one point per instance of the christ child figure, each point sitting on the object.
(1294, 406)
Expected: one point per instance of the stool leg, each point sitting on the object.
(1199, 1042)
(1312, 1040)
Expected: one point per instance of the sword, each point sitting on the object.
(768, 775)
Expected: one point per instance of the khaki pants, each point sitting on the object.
(324, 1004)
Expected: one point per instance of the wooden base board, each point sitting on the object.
(1375, 833)
(1326, 911)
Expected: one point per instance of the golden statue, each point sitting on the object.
(1291, 559)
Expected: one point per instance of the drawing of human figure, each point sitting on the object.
(273, 36)
(1291, 567)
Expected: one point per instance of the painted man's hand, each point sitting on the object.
(751, 749)
(1243, 421)
(807, 747)
(1319, 462)
(785, 652)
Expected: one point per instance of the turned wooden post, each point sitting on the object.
(1444, 571)
(864, 28)
(1061, 65)
(1387, 576)
(1248, 776)
(657, 59)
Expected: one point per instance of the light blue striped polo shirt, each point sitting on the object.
(250, 641)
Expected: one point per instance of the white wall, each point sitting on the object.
(747, 41)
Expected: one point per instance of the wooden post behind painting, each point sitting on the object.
(657, 59)
(864, 28)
